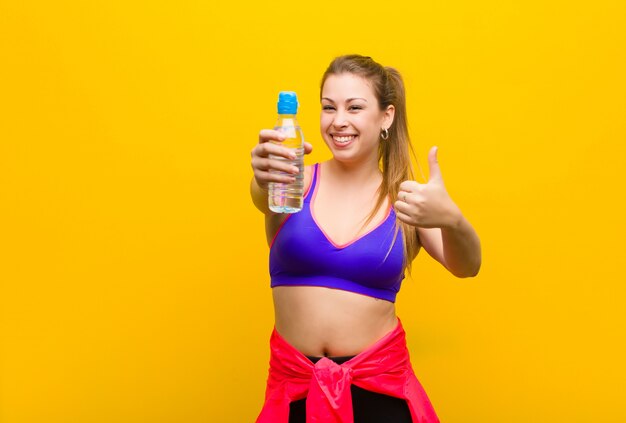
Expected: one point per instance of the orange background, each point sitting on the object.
(134, 266)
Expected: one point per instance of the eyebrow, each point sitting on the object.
(347, 100)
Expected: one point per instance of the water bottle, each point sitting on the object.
(287, 198)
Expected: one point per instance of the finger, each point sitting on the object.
(408, 210)
(308, 148)
(401, 207)
(266, 149)
(274, 165)
(403, 196)
(271, 135)
(433, 165)
(403, 217)
(409, 186)
(267, 177)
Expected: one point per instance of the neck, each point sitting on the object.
(355, 173)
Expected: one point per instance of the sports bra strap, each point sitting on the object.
(311, 190)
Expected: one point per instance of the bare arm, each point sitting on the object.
(443, 230)
(457, 247)
(259, 197)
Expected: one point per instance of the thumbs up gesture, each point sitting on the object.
(427, 205)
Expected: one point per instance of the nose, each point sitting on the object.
(340, 119)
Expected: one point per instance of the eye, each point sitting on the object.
(355, 107)
(327, 107)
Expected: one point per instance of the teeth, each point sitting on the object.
(344, 139)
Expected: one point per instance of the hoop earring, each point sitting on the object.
(384, 134)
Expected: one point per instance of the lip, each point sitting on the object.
(342, 145)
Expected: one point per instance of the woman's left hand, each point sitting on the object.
(427, 205)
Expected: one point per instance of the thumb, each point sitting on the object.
(433, 165)
(307, 148)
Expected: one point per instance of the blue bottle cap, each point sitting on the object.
(287, 103)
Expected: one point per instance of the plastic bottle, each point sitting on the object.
(287, 198)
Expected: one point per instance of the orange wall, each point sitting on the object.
(134, 267)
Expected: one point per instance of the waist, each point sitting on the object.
(329, 322)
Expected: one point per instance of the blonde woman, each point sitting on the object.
(338, 350)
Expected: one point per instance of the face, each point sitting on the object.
(351, 120)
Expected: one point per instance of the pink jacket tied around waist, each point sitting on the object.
(384, 367)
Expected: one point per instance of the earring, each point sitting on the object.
(384, 134)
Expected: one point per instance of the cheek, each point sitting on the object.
(375, 124)
(325, 122)
(367, 124)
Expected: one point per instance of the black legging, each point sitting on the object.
(368, 407)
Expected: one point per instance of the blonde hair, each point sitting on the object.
(394, 152)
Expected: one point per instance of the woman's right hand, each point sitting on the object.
(264, 166)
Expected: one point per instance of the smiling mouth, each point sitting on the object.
(343, 139)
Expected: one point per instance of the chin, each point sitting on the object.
(344, 157)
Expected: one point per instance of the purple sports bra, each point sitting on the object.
(302, 254)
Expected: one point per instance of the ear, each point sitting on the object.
(388, 116)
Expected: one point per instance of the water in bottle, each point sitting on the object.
(287, 198)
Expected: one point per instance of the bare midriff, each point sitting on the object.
(330, 322)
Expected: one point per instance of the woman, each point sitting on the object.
(338, 351)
